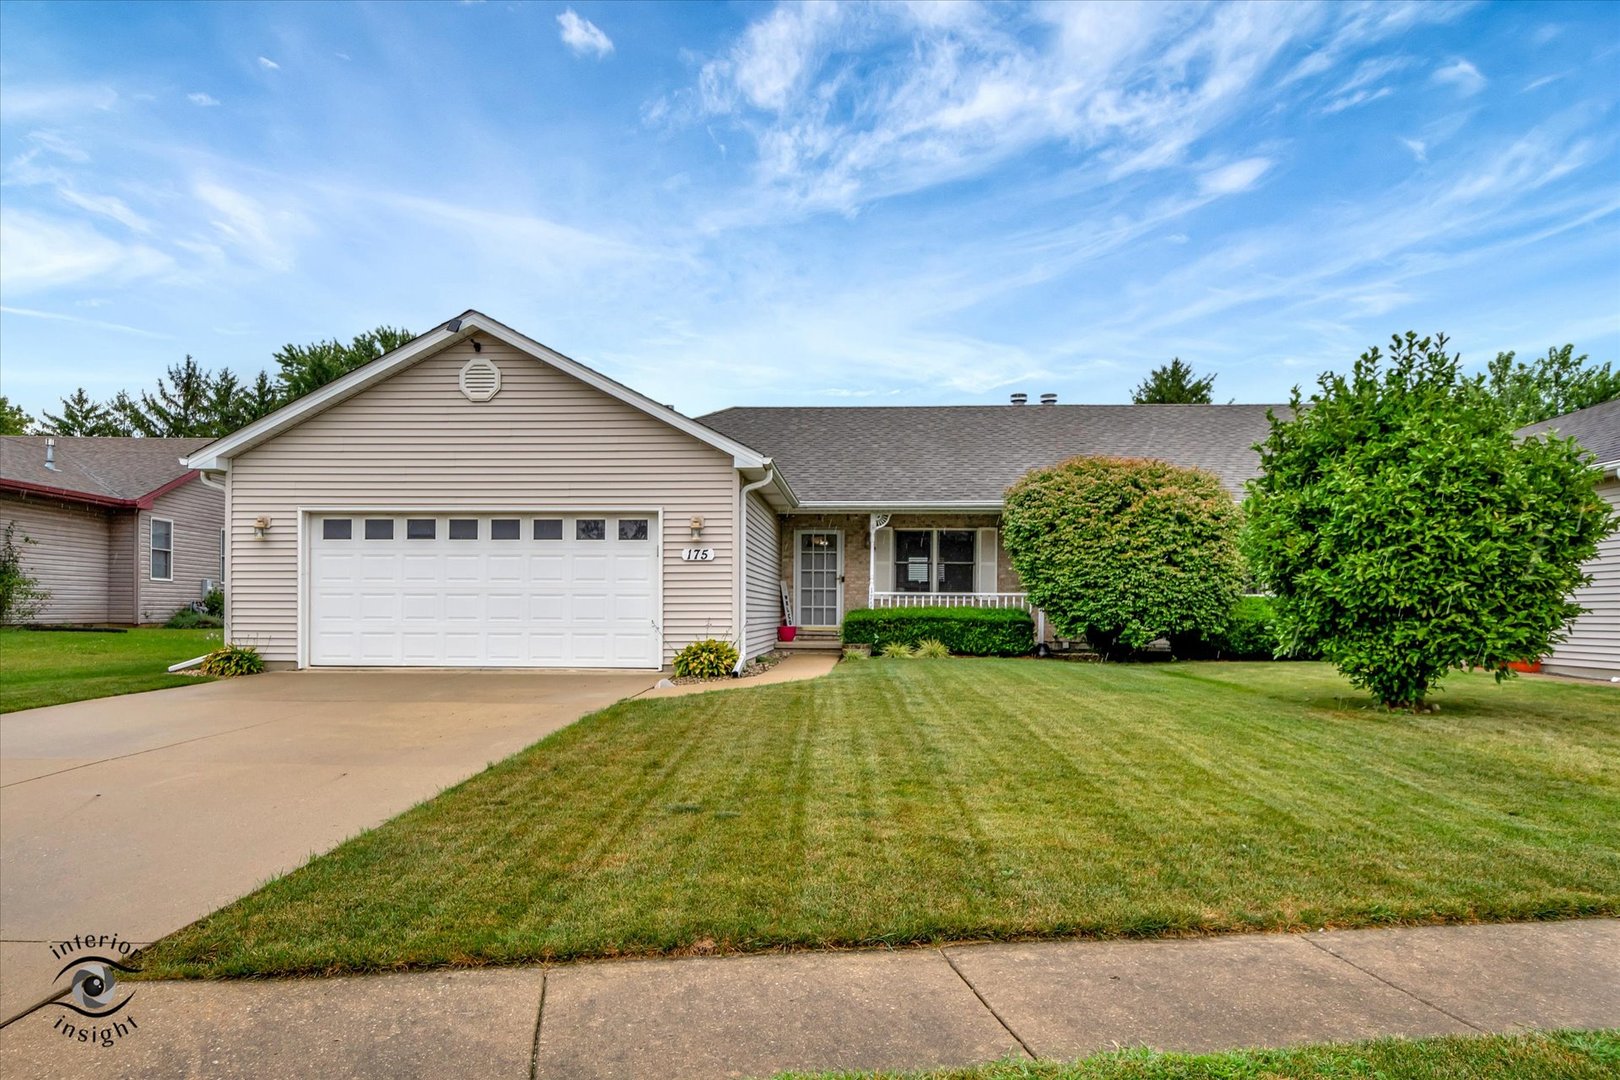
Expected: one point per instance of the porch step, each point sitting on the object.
(813, 641)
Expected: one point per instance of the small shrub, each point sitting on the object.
(897, 650)
(932, 649)
(1250, 633)
(710, 658)
(191, 619)
(231, 660)
(856, 652)
(214, 603)
(964, 631)
(20, 594)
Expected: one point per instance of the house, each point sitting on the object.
(122, 532)
(475, 498)
(1592, 646)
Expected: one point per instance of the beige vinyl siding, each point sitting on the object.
(69, 555)
(545, 442)
(764, 577)
(198, 513)
(122, 564)
(1592, 649)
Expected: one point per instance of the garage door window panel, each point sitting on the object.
(421, 528)
(548, 528)
(590, 529)
(379, 528)
(463, 528)
(632, 528)
(337, 529)
(505, 529)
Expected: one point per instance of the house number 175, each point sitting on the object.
(697, 554)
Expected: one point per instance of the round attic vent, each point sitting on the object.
(480, 379)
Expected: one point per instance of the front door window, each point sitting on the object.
(819, 572)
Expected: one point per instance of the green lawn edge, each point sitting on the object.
(39, 668)
(1550, 1055)
(369, 879)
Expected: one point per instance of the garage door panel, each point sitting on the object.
(379, 595)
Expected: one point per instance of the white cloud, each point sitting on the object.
(582, 35)
(56, 316)
(269, 64)
(1419, 149)
(263, 235)
(107, 206)
(1232, 179)
(40, 253)
(37, 102)
(1462, 75)
(202, 99)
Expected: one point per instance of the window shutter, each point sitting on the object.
(984, 574)
(883, 561)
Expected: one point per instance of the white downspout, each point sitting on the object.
(742, 564)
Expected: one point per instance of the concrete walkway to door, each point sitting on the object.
(136, 815)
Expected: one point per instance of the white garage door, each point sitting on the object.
(487, 590)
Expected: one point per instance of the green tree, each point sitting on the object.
(1124, 551)
(181, 406)
(1173, 384)
(1550, 385)
(13, 420)
(1405, 531)
(83, 417)
(309, 367)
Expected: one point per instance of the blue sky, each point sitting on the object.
(749, 204)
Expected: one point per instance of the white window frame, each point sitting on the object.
(935, 562)
(152, 549)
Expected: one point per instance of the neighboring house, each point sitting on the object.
(1592, 648)
(122, 532)
(475, 498)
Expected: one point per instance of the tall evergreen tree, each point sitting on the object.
(82, 416)
(1174, 384)
(180, 406)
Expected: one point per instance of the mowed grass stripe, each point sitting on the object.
(919, 801)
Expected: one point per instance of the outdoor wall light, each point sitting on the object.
(697, 527)
(261, 525)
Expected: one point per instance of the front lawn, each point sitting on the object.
(48, 667)
(1557, 1055)
(899, 801)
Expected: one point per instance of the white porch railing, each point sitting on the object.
(934, 599)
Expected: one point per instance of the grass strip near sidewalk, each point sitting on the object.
(898, 801)
(1558, 1055)
(51, 667)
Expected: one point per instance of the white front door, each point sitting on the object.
(484, 590)
(821, 577)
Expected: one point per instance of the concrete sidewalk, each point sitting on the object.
(915, 1008)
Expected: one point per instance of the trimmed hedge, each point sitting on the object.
(1251, 634)
(966, 631)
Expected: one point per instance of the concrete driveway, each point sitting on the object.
(137, 815)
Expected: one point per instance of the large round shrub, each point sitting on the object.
(1125, 551)
(1406, 531)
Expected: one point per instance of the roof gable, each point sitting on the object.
(215, 455)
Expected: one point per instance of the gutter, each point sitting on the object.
(23, 487)
(742, 562)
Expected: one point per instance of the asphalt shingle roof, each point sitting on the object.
(974, 452)
(1597, 428)
(113, 468)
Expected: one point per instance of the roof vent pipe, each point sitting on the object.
(50, 453)
(1048, 399)
(1020, 399)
